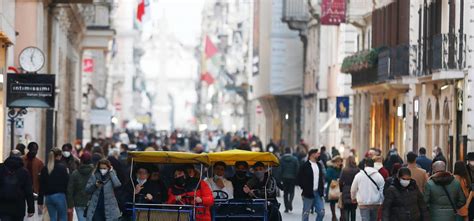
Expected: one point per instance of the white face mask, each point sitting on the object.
(471, 163)
(66, 154)
(103, 171)
(141, 182)
(378, 166)
(404, 183)
(434, 154)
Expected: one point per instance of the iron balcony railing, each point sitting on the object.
(393, 62)
(448, 52)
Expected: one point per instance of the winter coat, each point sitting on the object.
(72, 163)
(288, 167)
(424, 163)
(17, 206)
(332, 173)
(345, 182)
(305, 180)
(111, 181)
(34, 167)
(405, 204)
(365, 191)
(187, 198)
(439, 157)
(76, 194)
(156, 188)
(436, 199)
(54, 182)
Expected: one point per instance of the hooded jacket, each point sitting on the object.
(364, 190)
(17, 207)
(288, 166)
(436, 199)
(404, 203)
(76, 194)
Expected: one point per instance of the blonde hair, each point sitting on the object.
(55, 152)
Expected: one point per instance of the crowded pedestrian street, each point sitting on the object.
(236, 110)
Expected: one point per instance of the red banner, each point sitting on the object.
(88, 65)
(333, 12)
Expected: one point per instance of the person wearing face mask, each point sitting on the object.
(33, 164)
(378, 165)
(240, 179)
(71, 161)
(403, 200)
(146, 190)
(438, 155)
(184, 192)
(263, 186)
(219, 182)
(103, 204)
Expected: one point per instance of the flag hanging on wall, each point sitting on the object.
(210, 49)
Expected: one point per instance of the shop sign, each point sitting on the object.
(88, 65)
(342, 107)
(30, 90)
(333, 12)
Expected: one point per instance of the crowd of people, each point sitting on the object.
(391, 189)
(94, 183)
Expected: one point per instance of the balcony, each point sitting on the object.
(393, 62)
(448, 52)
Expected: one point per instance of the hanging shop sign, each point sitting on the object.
(30, 90)
(342, 107)
(87, 65)
(333, 12)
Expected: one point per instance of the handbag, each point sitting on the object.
(340, 204)
(334, 191)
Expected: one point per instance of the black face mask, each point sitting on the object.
(31, 155)
(240, 173)
(180, 181)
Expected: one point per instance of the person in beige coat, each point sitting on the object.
(418, 174)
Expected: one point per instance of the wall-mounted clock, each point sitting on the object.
(31, 59)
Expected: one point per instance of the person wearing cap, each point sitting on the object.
(403, 200)
(263, 185)
(240, 179)
(219, 182)
(443, 194)
(77, 197)
(184, 192)
(311, 180)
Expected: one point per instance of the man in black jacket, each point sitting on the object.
(311, 180)
(15, 189)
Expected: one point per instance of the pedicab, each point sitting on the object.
(165, 212)
(239, 209)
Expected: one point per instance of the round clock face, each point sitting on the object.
(101, 102)
(31, 59)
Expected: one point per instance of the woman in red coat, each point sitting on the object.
(182, 192)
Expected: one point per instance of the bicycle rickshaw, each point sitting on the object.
(165, 212)
(233, 209)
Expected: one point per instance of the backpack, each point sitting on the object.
(9, 185)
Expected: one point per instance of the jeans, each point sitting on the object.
(288, 193)
(11, 218)
(80, 213)
(369, 214)
(57, 207)
(318, 205)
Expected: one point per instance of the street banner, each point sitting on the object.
(333, 12)
(88, 65)
(342, 107)
(30, 90)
